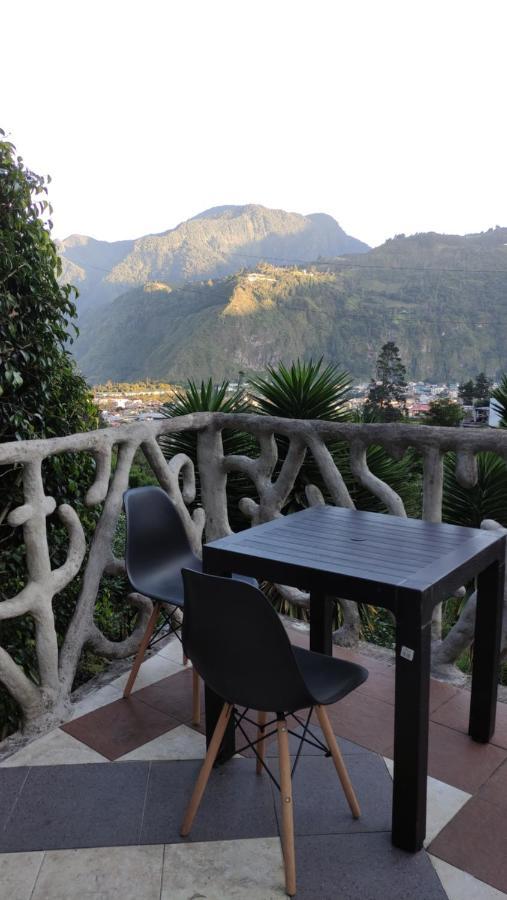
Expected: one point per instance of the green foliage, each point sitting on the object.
(387, 392)
(482, 389)
(42, 395)
(209, 397)
(466, 392)
(476, 393)
(444, 412)
(305, 390)
(309, 391)
(487, 500)
(499, 394)
(421, 292)
(468, 507)
(215, 243)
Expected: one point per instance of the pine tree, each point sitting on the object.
(386, 397)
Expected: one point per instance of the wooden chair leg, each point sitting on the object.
(142, 649)
(289, 856)
(261, 746)
(196, 698)
(202, 780)
(340, 766)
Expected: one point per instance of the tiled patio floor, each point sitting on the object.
(72, 825)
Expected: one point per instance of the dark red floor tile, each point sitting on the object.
(475, 840)
(172, 696)
(379, 685)
(365, 720)
(441, 692)
(454, 713)
(494, 790)
(120, 727)
(458, 760)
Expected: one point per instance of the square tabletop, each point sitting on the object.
(370, 547)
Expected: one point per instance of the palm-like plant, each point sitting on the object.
(499, 394)
(209, 397)
(306, 390)
(487, 500)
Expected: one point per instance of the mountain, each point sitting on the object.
(442, 298)
(213, 244)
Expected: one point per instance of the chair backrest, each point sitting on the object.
(238, 644)
(154, 532)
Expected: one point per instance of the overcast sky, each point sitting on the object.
(390, 116)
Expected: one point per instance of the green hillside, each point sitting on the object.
(443, 299)
(213, 244)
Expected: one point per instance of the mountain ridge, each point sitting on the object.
(214, 243)
(442, 299)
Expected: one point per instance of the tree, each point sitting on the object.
(482, 389)
(444, 412)
(466, 392)
(386, 397)
(475, 392)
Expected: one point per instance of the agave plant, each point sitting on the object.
(209, 397)
(499, 394)
(306, 390)
(487, 500)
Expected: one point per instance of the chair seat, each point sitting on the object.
(328, 679)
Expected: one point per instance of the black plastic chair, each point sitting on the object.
(157, 548)
(240, 648)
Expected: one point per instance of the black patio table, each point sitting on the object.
(406, 566)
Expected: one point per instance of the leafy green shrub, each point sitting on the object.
(42, 396)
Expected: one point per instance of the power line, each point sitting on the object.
(345, 264)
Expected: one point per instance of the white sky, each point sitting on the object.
(390, 116)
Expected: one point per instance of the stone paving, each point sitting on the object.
(92, 810)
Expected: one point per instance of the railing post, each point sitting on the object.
(433, 489)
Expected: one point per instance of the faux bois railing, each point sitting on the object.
(47, 703)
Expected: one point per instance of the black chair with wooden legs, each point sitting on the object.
(157, 548)
(240, 648)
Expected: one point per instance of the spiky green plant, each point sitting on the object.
(499, 394)
(308, 390)
(209, 397)
(305, 390)
(487, 500)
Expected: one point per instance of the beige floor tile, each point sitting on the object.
(154, 669)
(95, 700)
(444, 801)
(460, 885)
(172, 651)
(180, 743)
(106, 873)
(18, 872)
(55, 748)
(224, 870)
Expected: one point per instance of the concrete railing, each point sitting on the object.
(46, 703)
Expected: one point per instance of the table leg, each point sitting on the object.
(321, 623)
(413, 652)
(488, 631)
